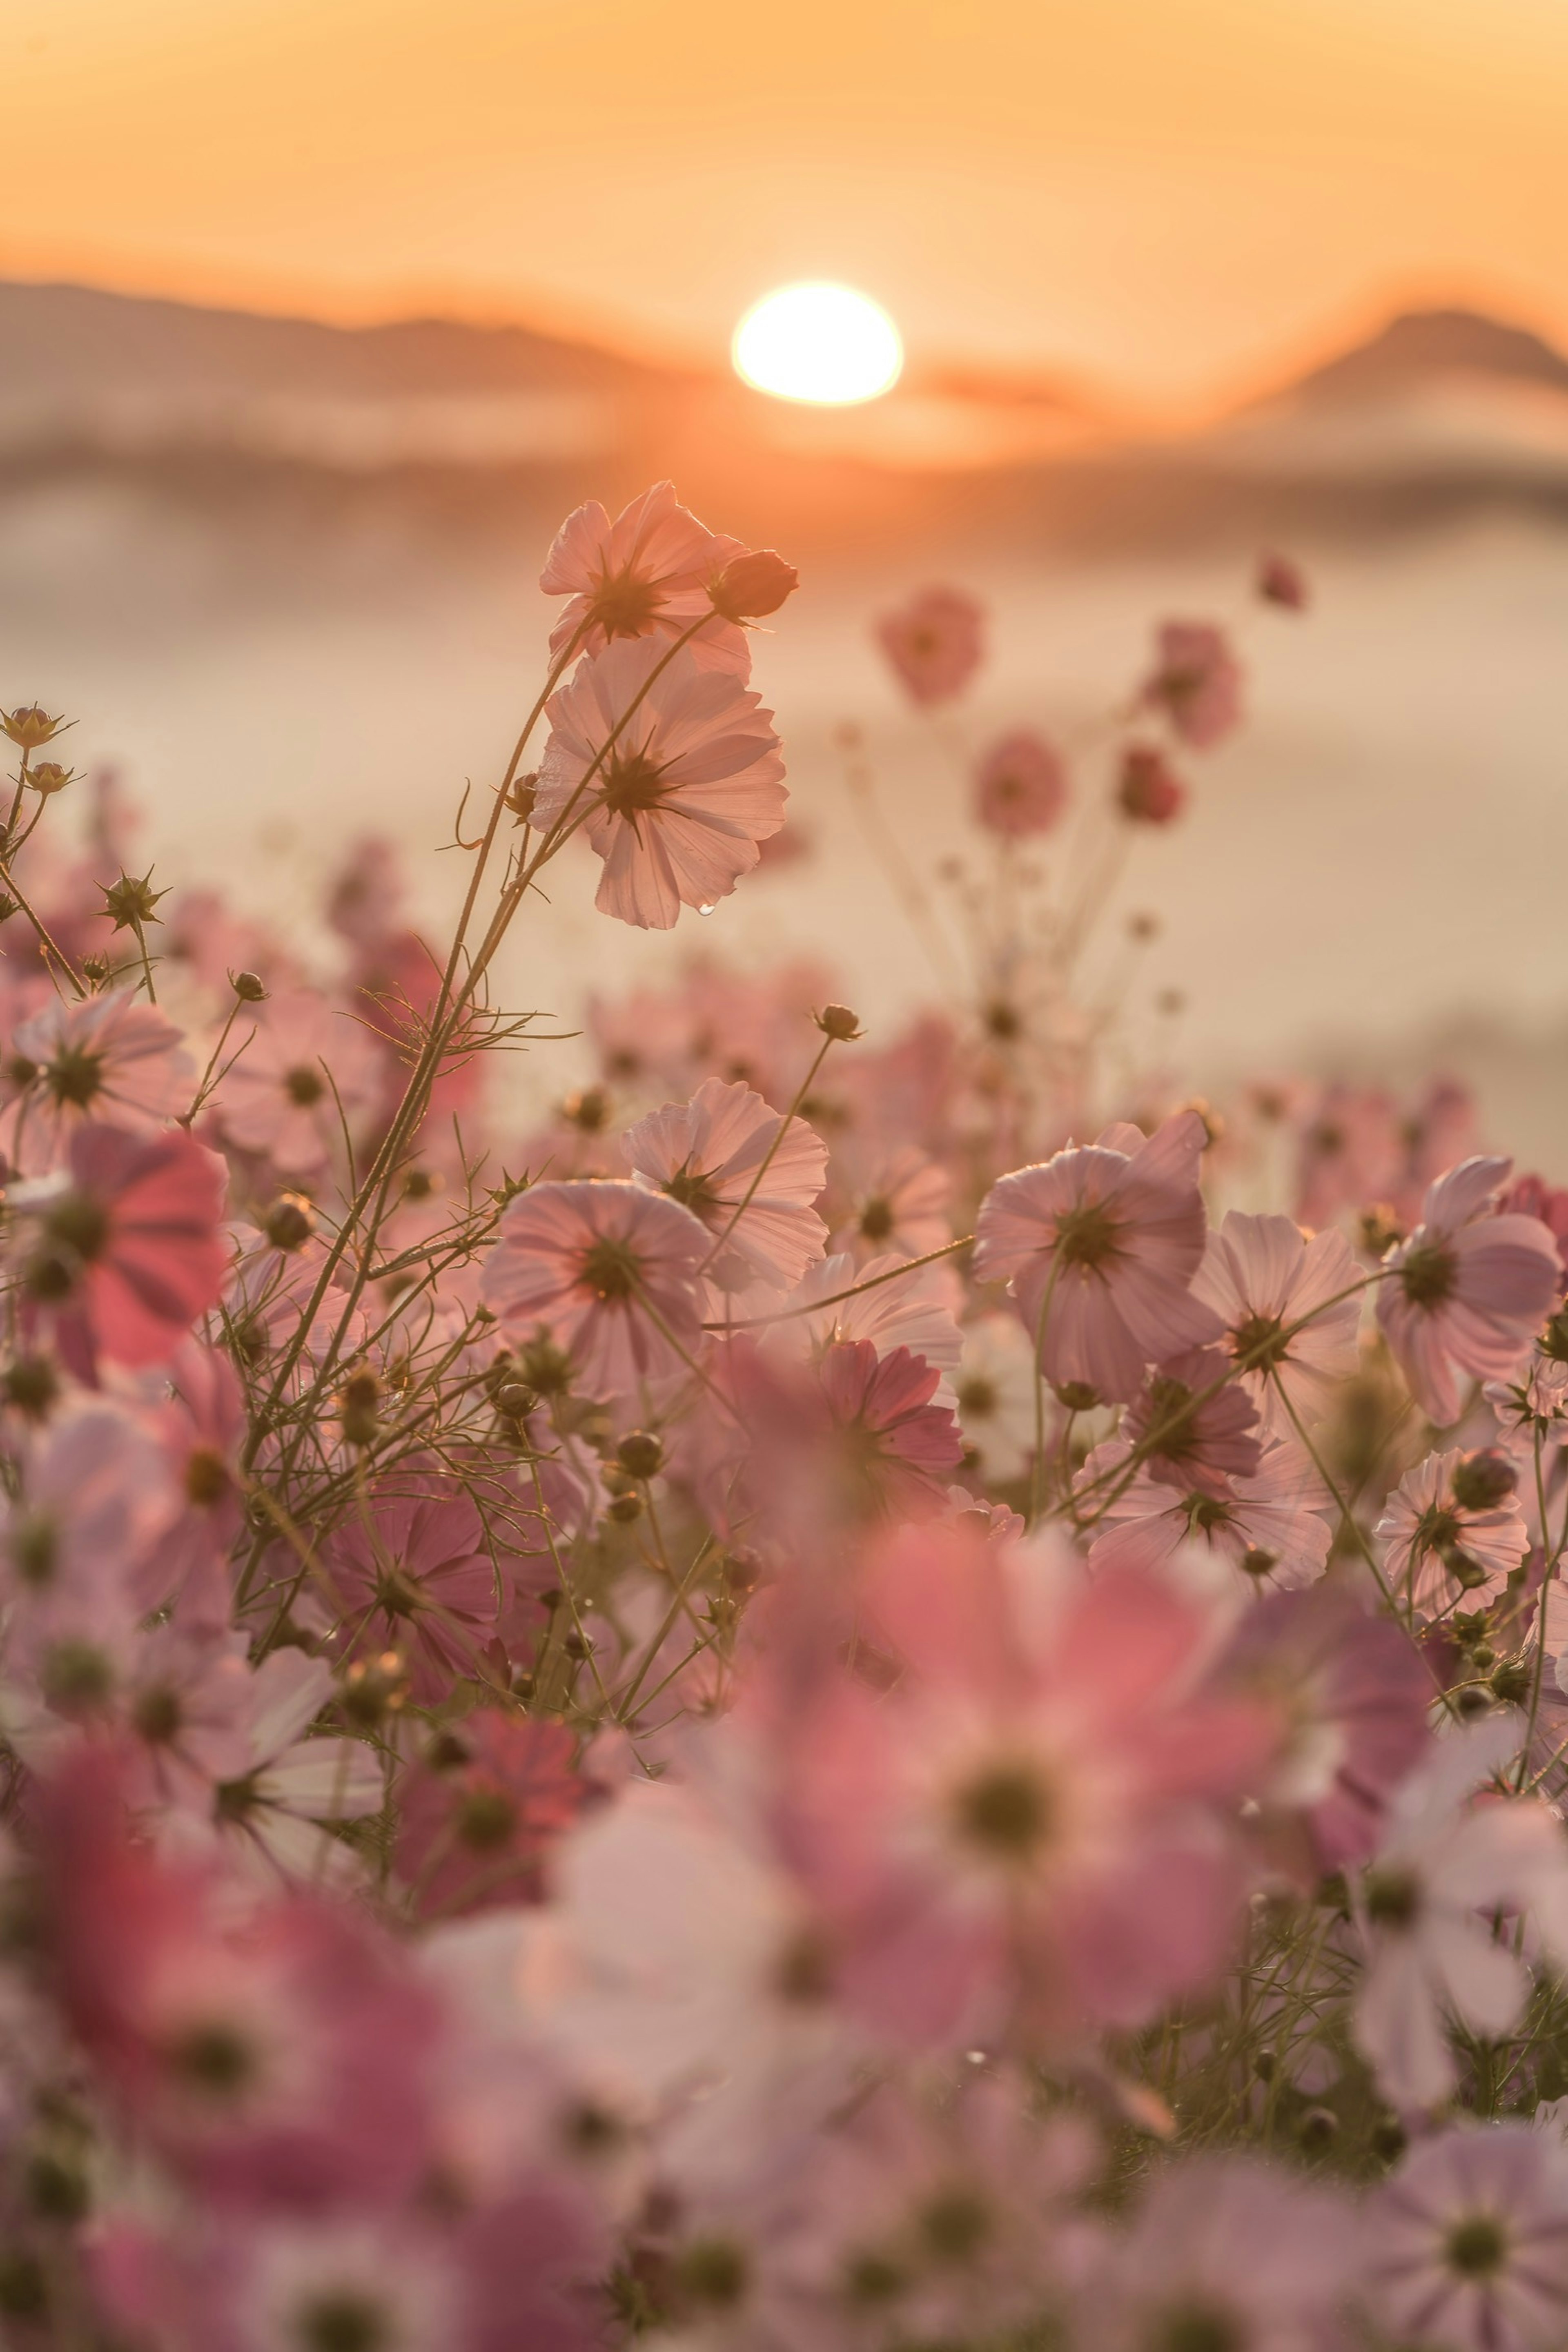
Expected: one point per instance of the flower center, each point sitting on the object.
(1259, 1343)
(486, 1819)
(157, 1714)
(877, 1219)
(304, 1086)
(344, 2322)
(1087, 1236)
(623, 606)
(1006, 1810)
(692, 1189)
(1477, 2246)
(609, 1269)
(978, 1398)
(1428, 1275)
(1205, 1512)
(1171, 1425)
(1393, 1898)
(633, 785)
(75, 1076)
(78, 1222)
(1195, 2327)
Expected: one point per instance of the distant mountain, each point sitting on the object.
(1420, 346)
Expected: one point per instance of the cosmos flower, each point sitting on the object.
(1148, 789)
(475, 1825)
(1020, 787)
(1452, 1533)
(1098, 1247)
(996, 1387)
(307, 1071)
(1268, 1525)
(108, 1059)
(609, 1271)
(935, 642)
(414, 1572)
(726, 1148)
(1263, 1276)
(1196, 682)
(900, 1207)
(1194, 1429)
(646, 574)
(677, 803)
(269, 1818)
(1468, 2243)
(1466, 1291)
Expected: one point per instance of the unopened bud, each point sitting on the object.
(95, 969)
(1149, 792)
(30, 725)
(360, 1400)
(1467, 1573)
(754, 585)
(516, 1400)
(589, 1109)
(1077, 1395)
(640, 1452)
(520, 799)
(290, 1222)
(374, 1688)
(625, 1508)
(31, 1386)
(1483, 1480)
(836, 1021)
(132, 901)
(248, 986)
(1511, 1684)
(49, 777)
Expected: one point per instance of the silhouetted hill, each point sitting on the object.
(1420, 345)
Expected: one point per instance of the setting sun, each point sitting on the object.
(818, 342)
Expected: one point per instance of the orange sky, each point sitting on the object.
(1170, 194)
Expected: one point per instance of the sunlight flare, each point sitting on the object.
(820, 342)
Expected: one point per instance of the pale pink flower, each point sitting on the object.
(723, 1147)
(1038, 1836)
(1451, 1535)
(853, 1436)
(1467, 2245)
(1352, 1695)
(996, 1387)
(269, 1816)
(608, 1271)
(935, 642)
(1148, 789)
(888, 1306)
(108, 1059)
(1466, 1291)
(202, 1420)
(123, 1251)
(1533, 1196)
(677, 806)
(1268, 1525)
(1196, 682)
(1445, 1868)
(1350, 1154)
(1098, 1247)
(1531, 1408)
(414, 1573)
(308, 1071)
(1020, 787)
(902, 1207)
(646, 574)
(1262, 1277)
(1226, 2250)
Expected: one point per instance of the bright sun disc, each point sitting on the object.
(818, 342)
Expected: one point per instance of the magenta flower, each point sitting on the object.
(606, 1270)
(648, 574)
(710, 1153)
(1020, 787)
(935, 642)
(124, 1255)
(1148, 789)
(108, 1059)
(1466, 1291)
(475, 1831)
(1263, 1276)
(1196, 682)
(416, 1574)
(1467, 2245)
(1098, 1247)
(677, 806)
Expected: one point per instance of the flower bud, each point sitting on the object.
(836, 1021)
(132, 901)
(290, 1222)
(29, 725)
(1077, 1396)
(516, 1400)
(1150, 792)
(49, 777)
(374, 1688)
(1282, 582)
(624, 1508)
(31, 1386)
(248, 986)
(640, 1452)
(1483, 1480)
(360, 1400)
(754, 585)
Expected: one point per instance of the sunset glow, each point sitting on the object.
(820, 342)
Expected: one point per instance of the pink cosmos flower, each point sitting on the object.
(414, 1573)
(1200, 1434)
(900, 1209)
(896, 1309)
(1148, 789)
(124, 1253)
(202, 1421)
(108, 1059)
(1263, 1276)
(1533, 1196)
(1445, 1868)
(608, 1271)
(1466, 1292)
(1020, 787)
(1036, 1839)
(1226, 2250)
(996, 1387)
(677, 806)
(269, 1818)
(852, 1436)
(1098, 1247)
(1279, 580)
(1453, 1531)
(1350, 1154)
(475, 1831)
(1268, 1525)
(711, 1154)
(935, 642)
(1352, 1695)
(646, 574)
(308, 1070)
(1196, 682)
(1467, 2245)
(186, 1711)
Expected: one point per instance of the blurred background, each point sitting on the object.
(317, 316)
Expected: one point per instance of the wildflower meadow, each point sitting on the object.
(861, 1692)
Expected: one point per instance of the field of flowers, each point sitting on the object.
(899, 1694)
